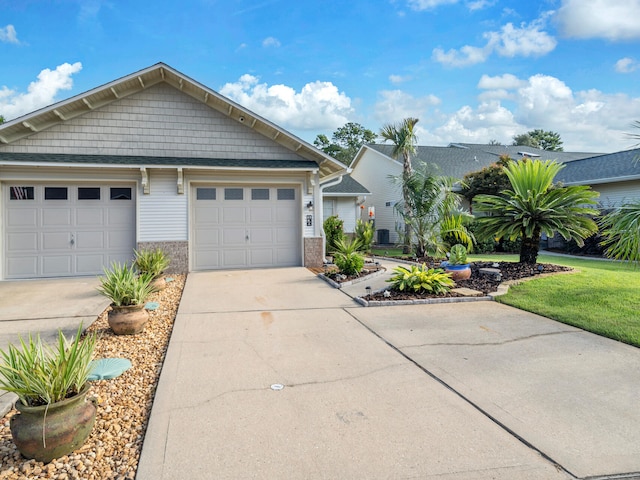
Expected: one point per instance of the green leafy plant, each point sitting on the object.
(333, 231)
(421, 279)
(124, 287)
(364, 234)
(348, 258)
(42, 374)
(458, 255)
(621, 229)
(153, 262)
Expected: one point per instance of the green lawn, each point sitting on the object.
(601, 297)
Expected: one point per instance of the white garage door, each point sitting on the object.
(66, 230)
(249, 226)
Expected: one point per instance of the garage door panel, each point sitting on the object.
(77, 234)
(257, 227)
(22, 217)
(22, 242)
(57, 265)
(55, 217)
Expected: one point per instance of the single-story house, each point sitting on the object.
(156, 159)
(374, 165)
(345, 198)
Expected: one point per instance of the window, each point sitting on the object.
(88, 193)
(259, 194)
(21, 193)
(233, 194)
(205, 193)
(286, 194)
(120, 193)
(55, 193)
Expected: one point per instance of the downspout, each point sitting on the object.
(332, 183)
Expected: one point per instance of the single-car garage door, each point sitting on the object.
(66, 229)
(245, 226)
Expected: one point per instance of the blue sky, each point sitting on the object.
(470, 70)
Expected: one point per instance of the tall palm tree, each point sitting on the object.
(434, 212)
(403, 137)
(534, 205)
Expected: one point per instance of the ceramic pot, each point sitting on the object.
(158, 284)
(44, 433)
(458, 272)
(127, 320)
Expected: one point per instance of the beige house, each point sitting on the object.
(156, 159)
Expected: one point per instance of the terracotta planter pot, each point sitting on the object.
(66, 426)
(158, 284)
(458, 272)
(127, 320)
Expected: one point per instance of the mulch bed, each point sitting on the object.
(509, 270)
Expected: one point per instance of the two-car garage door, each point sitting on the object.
(66, 229)
(245, 226)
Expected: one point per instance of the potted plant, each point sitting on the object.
(55, 418)
(128, 292)
(153, 263)
(457, 265)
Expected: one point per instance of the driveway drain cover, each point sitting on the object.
(277, 386)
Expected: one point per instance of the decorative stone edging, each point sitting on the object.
(421, 301)
(335, 284)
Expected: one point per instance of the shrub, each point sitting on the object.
(458, 255)
(153, 262)
(421, 279)
(333, 231)
(485, 245)
(124, 287)
(42, 374)
(364, 234)
(347, 257)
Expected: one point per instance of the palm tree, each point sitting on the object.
(534, 205)
(432, 212)
(403, 137)
(621, 229)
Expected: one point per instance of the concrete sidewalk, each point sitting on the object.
(352, 406)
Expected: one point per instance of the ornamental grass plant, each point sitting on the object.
(153, 262)
(42, 374)
(124, 287)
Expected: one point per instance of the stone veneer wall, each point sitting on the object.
(313, 254)
(178, 252)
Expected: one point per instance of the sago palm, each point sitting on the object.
(621, 229)
(534, 205)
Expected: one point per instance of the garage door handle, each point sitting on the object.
(73, 241)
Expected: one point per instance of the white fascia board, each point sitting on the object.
(598, 181)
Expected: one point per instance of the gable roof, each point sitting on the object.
(347, 187)
(612, 167)
(457, 160)
(78, 105)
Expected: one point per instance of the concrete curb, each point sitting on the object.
(422, 301)
(7, 401)
(352, 282)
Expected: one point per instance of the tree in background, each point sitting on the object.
(534, 205)
(404, 139)
(345, 141)
(490, 180)
(1, 119)
(543, 139)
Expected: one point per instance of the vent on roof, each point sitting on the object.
(527, 154)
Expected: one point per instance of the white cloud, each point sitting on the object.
(271, 42)
(627, 65)
(526, 41)
(394, 105)
(8, 34)
(610, 19)
(588, 120)
(480, 4)
(420, 5)
(395, 79)
(40, 93)
(317, 106)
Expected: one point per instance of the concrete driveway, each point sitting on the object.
(44, 306)
(355, 405)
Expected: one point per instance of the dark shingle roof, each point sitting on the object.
(459, 159)
(617, 166)
(347, 186)
(142, 161)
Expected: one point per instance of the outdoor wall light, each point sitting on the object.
(310, 206)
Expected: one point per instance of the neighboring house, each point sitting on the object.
(345, 198)
(616, 176)
(156, 159)
(374, 166)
